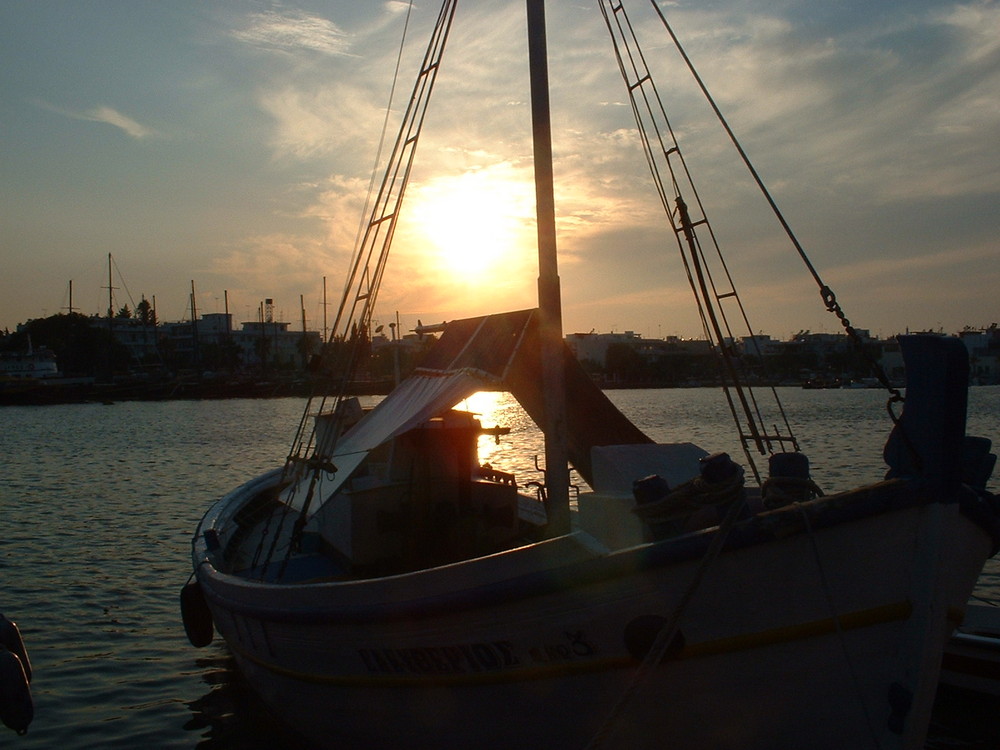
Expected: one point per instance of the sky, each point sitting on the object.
(231, 144)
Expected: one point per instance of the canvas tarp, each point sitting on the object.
(507, 347)
(499, 352)
(415, 401)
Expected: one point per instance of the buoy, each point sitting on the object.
(16, 708)
(196, 615)
(10, 637)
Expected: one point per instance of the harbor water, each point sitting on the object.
(98, 504)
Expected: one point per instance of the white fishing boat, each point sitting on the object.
(383, 588)
(31, 365)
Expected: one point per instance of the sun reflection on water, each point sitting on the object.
(514, 452)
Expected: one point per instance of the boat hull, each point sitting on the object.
(971, 659)
(820, 625)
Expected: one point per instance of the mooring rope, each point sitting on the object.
(825, 584)
(666, 636)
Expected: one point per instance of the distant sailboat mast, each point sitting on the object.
(108, 358)
(111, 302)
(195, 348)
(69, 309)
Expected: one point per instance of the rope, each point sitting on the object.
(836, 620)
(829, 298)
(669, 631)
(693, 495)
(381, 142)
(777, 492)
(354, 330)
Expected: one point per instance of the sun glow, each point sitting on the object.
(477, 223)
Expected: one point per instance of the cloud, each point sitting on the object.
(107, 115)
(309, 122)
(899, 107)
(114, 117)
(280, 266)
(293, 31)
(333, 99)
(859, 121)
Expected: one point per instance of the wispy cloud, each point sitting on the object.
(292, 31)
(900, 106)
(312, 121)
(105, 114)
(113, 117)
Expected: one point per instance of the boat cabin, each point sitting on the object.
(421, 499)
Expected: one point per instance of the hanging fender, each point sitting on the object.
(196, 615)
(10, 638)
(16, 707)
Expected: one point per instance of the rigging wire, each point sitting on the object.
(827, 294)
(366, 271)
(838, 625)
(381, 139)
(308, 459)
(298, 448)
(304, 435)
(668, 165)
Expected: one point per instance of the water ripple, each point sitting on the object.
(99, 504)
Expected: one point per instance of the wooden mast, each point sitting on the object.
(549, 301)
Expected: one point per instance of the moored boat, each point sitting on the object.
(971, 658)
(31, 365)
(17, 709)
(383, 588)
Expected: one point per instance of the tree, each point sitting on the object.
(675, 366)
(262, 348)
(80, 347)
(221, 355)
(145, 313)
(307, 347)
(794, 360)
(623, 362)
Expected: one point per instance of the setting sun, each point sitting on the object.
(476, 223)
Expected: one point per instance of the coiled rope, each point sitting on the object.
(777, 492)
